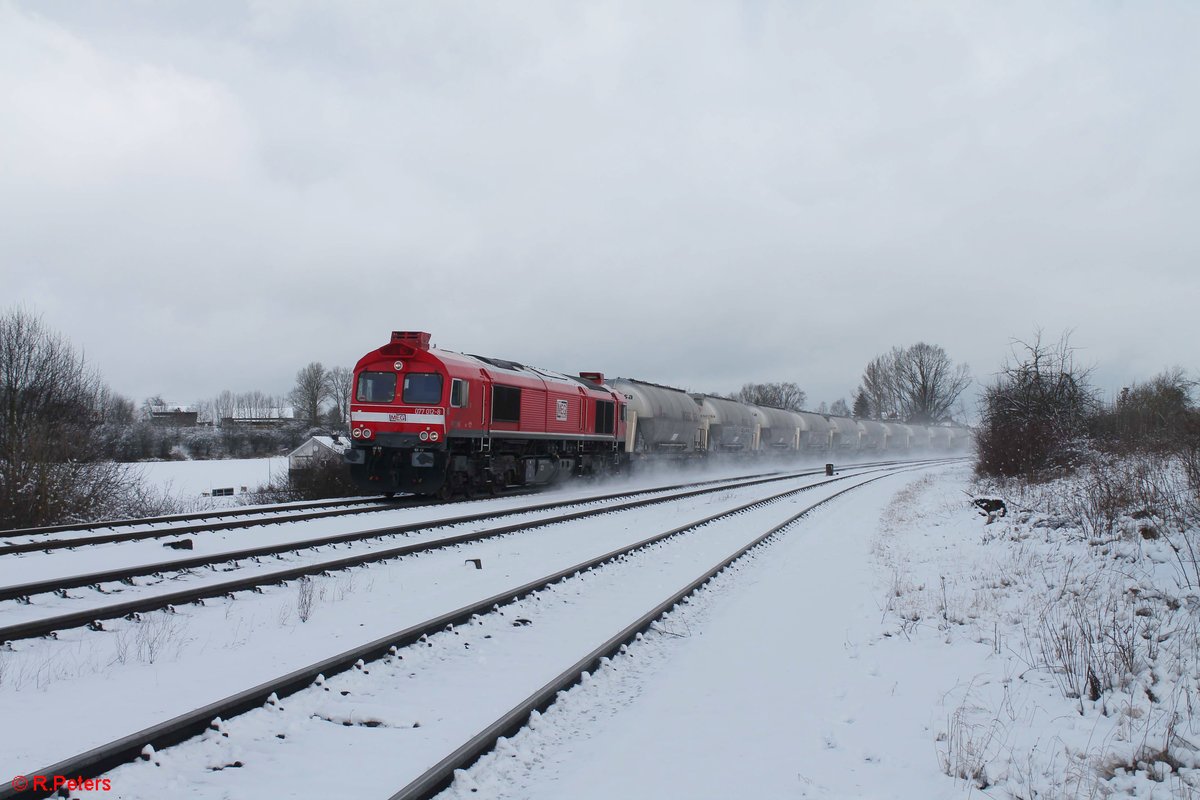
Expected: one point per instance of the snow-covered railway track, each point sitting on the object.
(227, 520)
(390, 649)
(113, 524)
(35, 622)
(440, 775)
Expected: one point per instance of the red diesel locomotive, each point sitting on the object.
(431, 421)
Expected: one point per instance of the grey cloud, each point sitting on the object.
(701, 195)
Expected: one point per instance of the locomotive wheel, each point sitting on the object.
(444, 493)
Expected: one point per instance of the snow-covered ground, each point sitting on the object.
(899, 648)
(175, 662)
(191, 483)
(892, 645)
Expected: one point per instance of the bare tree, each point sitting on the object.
(918, 383)
(339, 382)
(839, 408)
(259, 405)
(787, 396)
(928, 382)
(206, 412)
(53, 412)
(224, 406)
(152, 404)
(879, 386)
(115, 409)
(310, 391)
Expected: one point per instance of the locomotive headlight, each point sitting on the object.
(424, 436)
(433, 436)
(356, 433)
(366, 433)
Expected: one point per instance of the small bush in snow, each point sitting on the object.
(304, 599)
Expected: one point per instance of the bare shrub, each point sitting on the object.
(157, 635)
(304, 598)
(1152, 416)
(1035, 415)
(1108, 625)
(1103, 496)
(966, 746)
(1092, 648)
(1141, 497)
(345, 587)
(152, 637)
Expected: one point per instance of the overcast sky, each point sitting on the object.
(210, 195)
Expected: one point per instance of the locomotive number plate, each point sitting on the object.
(411, 416)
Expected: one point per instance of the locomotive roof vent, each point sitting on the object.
(417, 340)
(594, 377)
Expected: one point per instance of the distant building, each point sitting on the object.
(318, 451)
(280, 418)
(168, 416)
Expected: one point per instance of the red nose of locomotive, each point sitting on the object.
(398, 395)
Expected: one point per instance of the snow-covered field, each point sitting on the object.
(191, 483)
(891, 645)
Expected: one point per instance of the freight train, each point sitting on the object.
(431, 421)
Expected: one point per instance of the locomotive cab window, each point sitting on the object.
(605, 414)
(459, 393)
(376, 387)
(423, 388)
(506, 404)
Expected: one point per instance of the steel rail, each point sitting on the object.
(104, 538)
(191, 515)
(93, 617)
(184, 726)
(133, 536)
(439, 777)
(24, 591)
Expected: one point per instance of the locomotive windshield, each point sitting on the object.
(376, 387)
(423, 388)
